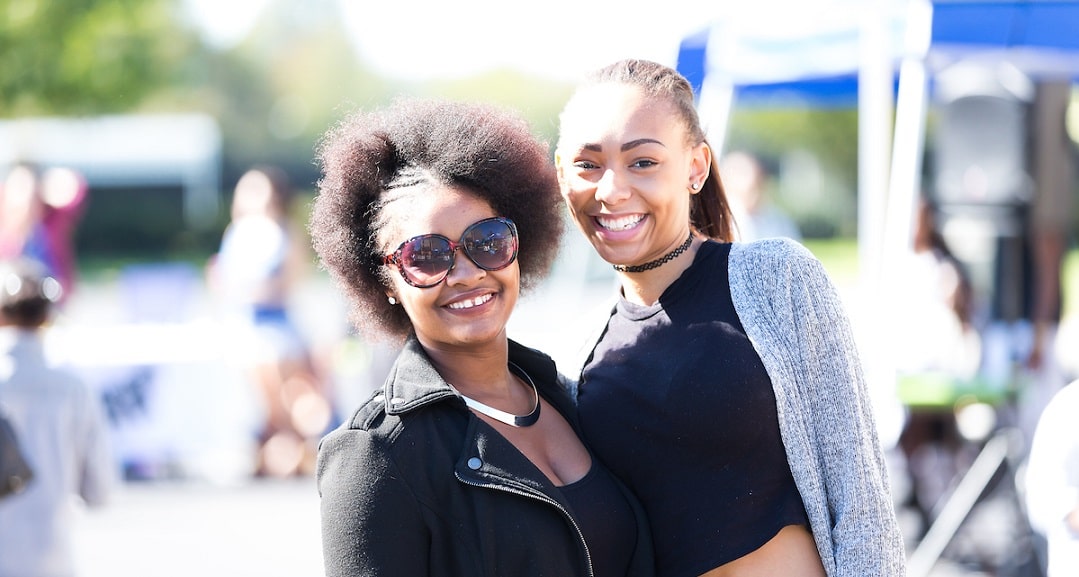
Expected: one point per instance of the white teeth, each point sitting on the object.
(469, 303)
(621, 223)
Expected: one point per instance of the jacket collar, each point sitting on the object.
(488, 459)
(413, 381)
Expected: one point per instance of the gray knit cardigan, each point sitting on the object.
(793, 315)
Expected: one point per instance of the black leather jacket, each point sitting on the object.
(415, 485)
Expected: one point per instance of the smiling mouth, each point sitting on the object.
(471, 303)
(620, 223)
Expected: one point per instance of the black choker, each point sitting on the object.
(502, 416)
(659, 261)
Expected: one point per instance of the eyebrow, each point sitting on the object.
(626, 146)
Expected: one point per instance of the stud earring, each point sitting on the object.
(392, 300)
(695, 186)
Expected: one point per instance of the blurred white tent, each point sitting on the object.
(176, 150)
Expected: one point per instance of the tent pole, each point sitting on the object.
(911, 111)
(714, 107)
(875, 103)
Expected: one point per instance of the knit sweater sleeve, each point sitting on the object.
(793, 315)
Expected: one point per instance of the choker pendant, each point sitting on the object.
(659, 261)
(502, 416)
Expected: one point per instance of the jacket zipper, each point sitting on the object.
(544, 499)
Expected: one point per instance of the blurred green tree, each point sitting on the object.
(827, 206)
(72, 57)
(538, 101)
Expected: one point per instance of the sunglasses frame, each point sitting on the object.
(394, 258)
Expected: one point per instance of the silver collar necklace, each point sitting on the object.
(502, 416)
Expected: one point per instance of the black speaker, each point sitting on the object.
(981, 151)
(981, 180)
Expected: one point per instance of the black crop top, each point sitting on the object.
(606, 520)
(677, 403)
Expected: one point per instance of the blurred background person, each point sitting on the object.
(756, 217)
(39, 212)
(932, 310)
(1035, 208)
(254, 274)
(1052, 481)
(1052, 217)
(60, 425)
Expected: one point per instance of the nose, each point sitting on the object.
(463, 270)
(610, 189)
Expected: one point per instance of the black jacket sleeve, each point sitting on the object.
(372, 525)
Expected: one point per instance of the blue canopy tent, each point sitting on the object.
(814, 68)
(820, 66)
(1037, 36)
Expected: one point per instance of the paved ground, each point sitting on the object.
(265, 528)
(268, 529)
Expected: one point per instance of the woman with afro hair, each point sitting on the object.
(431, 216)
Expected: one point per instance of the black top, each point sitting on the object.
(606, 519)
(677, 403)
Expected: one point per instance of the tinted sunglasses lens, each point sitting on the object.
(426, 259)
(491, 244)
